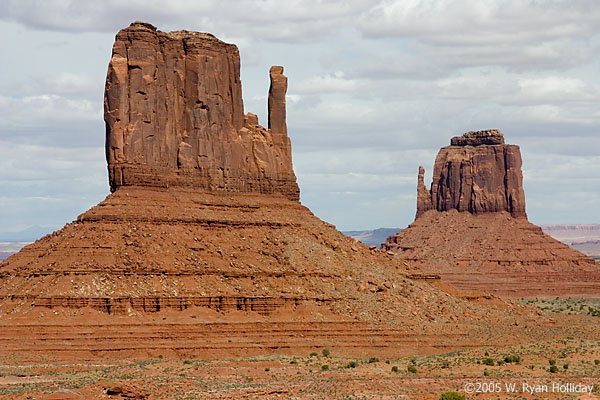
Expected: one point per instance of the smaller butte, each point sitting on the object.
(471, 227)
(477, 173)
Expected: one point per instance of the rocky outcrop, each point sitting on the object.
(175, 117)
(477, 173)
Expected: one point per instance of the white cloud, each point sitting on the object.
(334, 82)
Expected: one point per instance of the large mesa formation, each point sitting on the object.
(203, 239)
(204, 220)
(471, 227)
(175, 117)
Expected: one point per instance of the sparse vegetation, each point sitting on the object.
(452, 396)
(569, 305)
(326, 352)
(488, 361)
(172, 378)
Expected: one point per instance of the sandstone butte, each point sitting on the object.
(471, 227)
(203, 248)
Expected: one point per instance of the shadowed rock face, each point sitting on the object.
(477, 173)
(175, 117)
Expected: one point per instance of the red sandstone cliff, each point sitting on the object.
(476, 173)
(175, 117)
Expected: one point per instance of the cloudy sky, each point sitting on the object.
(375, 89)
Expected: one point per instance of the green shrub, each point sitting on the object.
(553, 369)
(187, 362)
(325, 367)
(387, 361)
(552, 362)
(314, 354)
(267, 369)
(513, 358)
(352, 364)
(395, 368)
(486, 372)
(597, 362)
(373, 360)
(488, 361)
(412, 369)
(565, 366)
(326, 352)
(452, 396)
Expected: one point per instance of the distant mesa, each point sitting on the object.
(471, 227)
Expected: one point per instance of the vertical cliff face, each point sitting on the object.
(477, 173)
(175, 117)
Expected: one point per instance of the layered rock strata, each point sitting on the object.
(477, 173)
(495, 253)
(175, 117)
